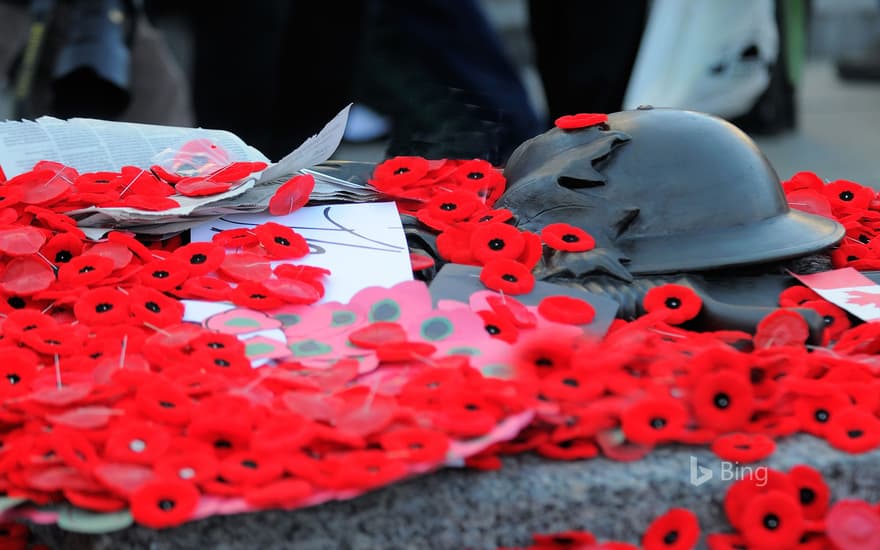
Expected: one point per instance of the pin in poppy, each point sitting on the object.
(292, 195)
(580, 120)
(507, 276)
(567, 238)
(677, 303)
(677, 529)
(164, 503)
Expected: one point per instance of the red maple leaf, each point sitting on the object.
(859, 298)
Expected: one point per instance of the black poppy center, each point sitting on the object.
(258, 296)
(846, 195)
(509, 278)
(756, 375)
(807, 495)
(828, 320)
(166, 504)
(543, 362)
(103, 307)
(86, 269)
(472, 407)
(166, 404)
(215, 345)
(493, 330)
(160, 274)
(401, 170)
(485, 219)
(475, 175)
(673, 303)
(670, 537)
(658, 423)
(16, 302)
(771, 521)
(153, 306)
(570, 238)
(448, 206)
(249, 464)
(855, 434)
(496, 244)
(221, 362)
(198, 259)
(63, 256)
(222, 444)
(864, 239)
(571, 382)
(821, 415)
(721, 400)
(13, 378)
(852, 258)
(282, 241)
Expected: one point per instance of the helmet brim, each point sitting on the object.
(781, 237)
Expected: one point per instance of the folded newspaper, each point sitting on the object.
(90, 145)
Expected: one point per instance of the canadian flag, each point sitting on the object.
(849, 289)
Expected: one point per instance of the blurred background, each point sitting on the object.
(455, 78)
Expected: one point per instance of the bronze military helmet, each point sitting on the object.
(665, 191)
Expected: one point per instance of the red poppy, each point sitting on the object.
(835, 319)
(280, 241)
(250, 469)
(843, 194)
(743, 448)
(291, 195)
(782, 327)
(10, 196)
(368, 469)
(566, 309)
(17, 372)
(60, 340)
(205, 288)
(164, 275)
(396, 172)
(495, 241)
(571, 449)
(26, 275)
(507, 276)
(200, 186)
(98, 182)
(816, 413)
(813, 492)
(21, 240)
(102, 306)
(294, 291)
(580, 120)
(653, 420)
(224, 435)
(152, 308)
(164, 503)
(194, 467)
(467, 415)
(44, 184)
(568, 238)
(794, 296)
(853, 430)
(803, 180)
(137, 181)
(96, 502)
(723, 401)
(415, 445)
(136, 443)
(499, 215)
(449, 207)
(201, 258)
(453, 244)
(677, 529)
(498, 327)
(565, 539)
(678, 303)
(246, 266)
(512, 310)
(853, 525)
(164, 402)
(772, 520)
(254, 295)
(420, 262)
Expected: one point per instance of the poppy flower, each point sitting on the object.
(723, 401)
(95, 502)
(853, 430)
(677, 529)
(136, 443)
(10, 196)
(844, 194)
(813, 493)
(396, 172)
(164, 503)
(794, 296)
(280, 241)
(815, 413)
(59, 340)
(677, 303)
(17, 372)
(164, 275)
(292, 195)
(197, 466)
(21, 240)
(152, 308)
(580, 120)
(201, 186)
(834, 319)
(567, 310)
(853, 525)
(245, 266)
(164, 402)
(467, 415)
(201, 258)
(102, 306)
(206, 288)
(254, 295)
(507, 276)
(782, 327)
(653, 420)
(453, 244)
(499, 215)
(415, 445)
(567, 238)
(98, 182)
(293, 291)
(498, 327)
(448, 208)
(803, 180)
(772, 520)
(743, 448)
(284, 493)
(512, 310)
(24, 276)
(565, 539)
(224, 436)
(496, 240)
(250, 469)
(368, 469)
